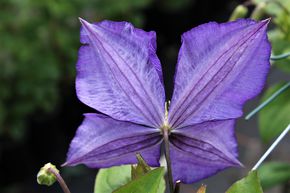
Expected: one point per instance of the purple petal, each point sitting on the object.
(103, 142)
(202, 150)
(119, 74)
(220, 66)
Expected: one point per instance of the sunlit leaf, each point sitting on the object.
(112, 178)
(249, 184)
(149, 183)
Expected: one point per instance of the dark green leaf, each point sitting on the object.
(249, 184)
(39, 43)
(274, 173)
(275, 116)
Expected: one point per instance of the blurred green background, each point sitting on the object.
(39, 39)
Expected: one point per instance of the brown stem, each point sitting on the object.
(177, 187)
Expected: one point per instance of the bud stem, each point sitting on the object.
(168, 161)
(272, 147)
(266, 102)
(280, 57)
(60, 180)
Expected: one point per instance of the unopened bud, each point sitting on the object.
(259, 11)
(45, 176)
(240, 11)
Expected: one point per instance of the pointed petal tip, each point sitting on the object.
(236, 163)
(81, 19)
(239, 164)
(70, 163)
(266, 21)
(64, 164)
(83, 22)
(264, 24)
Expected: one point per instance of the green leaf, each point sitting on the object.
(275, 116)
(274, 173)
(148, 183)
(249, 184)
(112, 178)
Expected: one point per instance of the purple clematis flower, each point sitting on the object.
(220, 67)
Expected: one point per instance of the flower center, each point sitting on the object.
(165, 126)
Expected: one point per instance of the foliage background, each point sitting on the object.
(39, 111)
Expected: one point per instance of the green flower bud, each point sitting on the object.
(259, 11)
(45, 176)
(239, 12)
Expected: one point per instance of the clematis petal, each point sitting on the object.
(202, 150)
(119, 74)
(103, 142)
(220, 66)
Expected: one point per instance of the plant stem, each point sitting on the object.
(168, 161)
(272, 147)
(266, 102)
(281, 56)
(177, 187)
(60, 180)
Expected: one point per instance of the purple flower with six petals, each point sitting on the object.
(220, 67)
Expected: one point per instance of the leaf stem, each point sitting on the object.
(281, 56)
(60, 180)
(168, 161)
(266, 102)
(272, 147)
